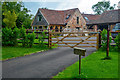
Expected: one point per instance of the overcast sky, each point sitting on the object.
(83, 5)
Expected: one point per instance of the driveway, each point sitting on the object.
(41, 65)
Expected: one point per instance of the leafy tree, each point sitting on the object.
(9, 19)
(102, 6)
(23, 18)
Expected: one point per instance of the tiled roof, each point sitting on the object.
(90, 17)
(112, 16)
(57, 16)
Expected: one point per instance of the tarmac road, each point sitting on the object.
(41, 65)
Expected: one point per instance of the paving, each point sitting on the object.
(41, 65)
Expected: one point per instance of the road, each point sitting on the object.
(41, 65)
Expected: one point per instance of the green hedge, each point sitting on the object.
(10, 36)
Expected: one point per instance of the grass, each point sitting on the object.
(12, 52)
(9, 52)
(93, 66)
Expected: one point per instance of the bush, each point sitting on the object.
(15, 35)
(104, 40)
(30, 39)
(9, 36)
(117, 41)
(23, 36)
(41, 39)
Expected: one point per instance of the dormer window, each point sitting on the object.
(68, 16)
(39, 17)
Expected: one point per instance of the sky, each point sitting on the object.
(83, 5)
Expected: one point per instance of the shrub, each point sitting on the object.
(7, 37)
(41, 39)
(23, 36)
(15, 35)
(30, 39)
(104, 39)
(117, 41)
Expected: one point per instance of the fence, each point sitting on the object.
(59, 37)
(76, 38)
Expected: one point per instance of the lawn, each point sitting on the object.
(93, 67)
(11, 52)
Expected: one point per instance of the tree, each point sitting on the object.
(102, 6)
(23, 18)
(9, 19)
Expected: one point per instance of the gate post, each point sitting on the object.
(99, 38)
(97, 46)
(49, 39)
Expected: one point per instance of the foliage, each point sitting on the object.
(27, 39)
(15, 35)
(30, 39)
(23, 35)
(102, 6)
(9, 19)
(41, 39)
(23, 18)
(9, 36)
(117, 41)
(104, 40)
(92, 67)
(6, 36)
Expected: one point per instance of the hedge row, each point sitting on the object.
(10, 36)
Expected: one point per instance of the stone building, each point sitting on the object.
(59, 19)
(88, 18)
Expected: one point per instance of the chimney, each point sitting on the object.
(119, 5)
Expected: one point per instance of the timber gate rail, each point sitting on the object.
(74, 39)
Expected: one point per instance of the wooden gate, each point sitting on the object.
(74, 39)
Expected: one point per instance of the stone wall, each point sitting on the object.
(73, 21)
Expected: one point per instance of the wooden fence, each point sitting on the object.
(67, 39)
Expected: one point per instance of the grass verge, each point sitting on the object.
(93, 66)
(12, 52)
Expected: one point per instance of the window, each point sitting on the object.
(40, 27)
(60, 28)
(39, 17)
(68, 26)
(68, 16)
(78, 28)
(77, 20)
(51, 27)
(56, 29)
(45, 27)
